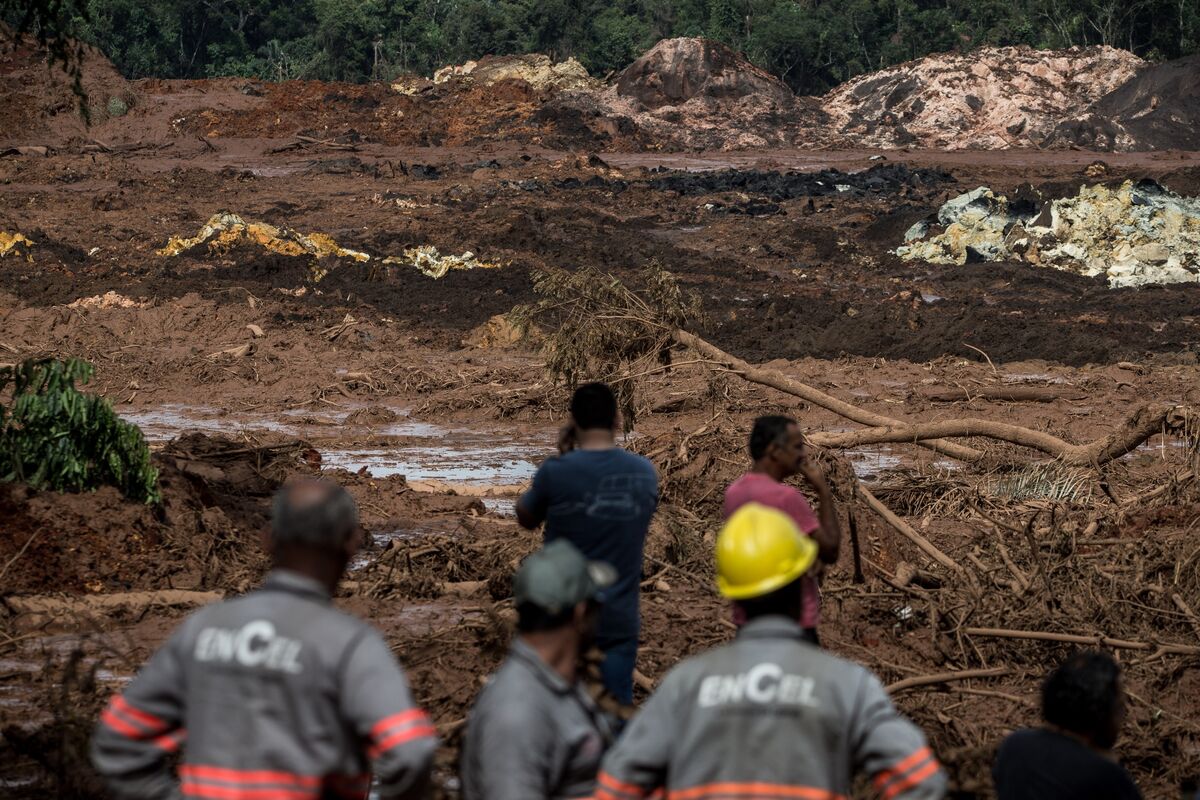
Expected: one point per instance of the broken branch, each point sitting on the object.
(1095, 641)
(908, 532)
(774, 380)
(945, 677)
(1144, 423)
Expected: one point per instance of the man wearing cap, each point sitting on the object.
(534, 733)
(276, 694)
(769, 715)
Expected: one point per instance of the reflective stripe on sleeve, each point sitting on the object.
(391, 732)
(609, 788)
(907, 774)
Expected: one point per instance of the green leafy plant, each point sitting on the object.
(53, 436)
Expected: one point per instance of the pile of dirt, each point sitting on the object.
(38, 97)
(535, 69)
(991, 98)
(216, 499)
(693, 93)
(1133, 235)
(1158, 109)
(676, 70)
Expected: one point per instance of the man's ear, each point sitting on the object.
(354, 542)
(580, 616)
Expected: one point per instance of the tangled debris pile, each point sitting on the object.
(1134, 235)
(429, 261)
(225, 230)
(14, 244)
(989, 98)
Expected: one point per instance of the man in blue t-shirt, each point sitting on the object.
(600, 498)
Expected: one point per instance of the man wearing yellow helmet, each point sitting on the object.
(769, 715)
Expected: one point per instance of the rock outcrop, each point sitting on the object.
(675, 71)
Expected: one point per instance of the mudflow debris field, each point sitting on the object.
(995, 351)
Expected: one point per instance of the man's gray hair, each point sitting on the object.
(313, 512)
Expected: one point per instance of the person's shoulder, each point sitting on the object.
(637, 460)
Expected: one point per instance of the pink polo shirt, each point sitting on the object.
(755, 487)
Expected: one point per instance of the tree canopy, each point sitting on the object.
(812, 44)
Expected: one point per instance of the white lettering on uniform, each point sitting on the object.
(253, 645)
(762, 684)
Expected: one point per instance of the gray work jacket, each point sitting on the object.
(769, 716)
(532, 735)
(273, 695)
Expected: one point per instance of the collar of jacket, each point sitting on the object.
(772, 627)
(285, 580)
(529, 657)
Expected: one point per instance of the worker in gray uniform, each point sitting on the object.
(275, 694)
(770, 715)
(534, 733)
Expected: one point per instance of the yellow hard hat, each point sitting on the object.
(759, 550)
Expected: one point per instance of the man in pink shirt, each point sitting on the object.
(779, 451)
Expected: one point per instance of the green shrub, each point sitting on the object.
(52, 436)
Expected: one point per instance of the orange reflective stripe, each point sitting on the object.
(753, 790)
(191, 789)
(907, 782)
(246, 776)
(171, 742)
(910, 761)
(620, 787)
(396, 720)
(397, 739)
(145, 718)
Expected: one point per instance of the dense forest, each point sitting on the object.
(811, 44)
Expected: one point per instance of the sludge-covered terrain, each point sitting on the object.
(265, 354)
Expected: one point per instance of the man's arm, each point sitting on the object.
(636, 767)
(376, 700)
(142, 728)
(828, 535)
(532, 506)
(891, 749)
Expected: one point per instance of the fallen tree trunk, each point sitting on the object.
(774, 380)
(1146, 422)
(1095, 641)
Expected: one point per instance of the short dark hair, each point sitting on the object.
(532, 618)
(1083, 696)
(786, 601)
(594, 406)
(315, 513)
(766, 432)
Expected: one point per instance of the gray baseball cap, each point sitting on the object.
(559, 577)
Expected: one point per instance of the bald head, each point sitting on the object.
(312, 513)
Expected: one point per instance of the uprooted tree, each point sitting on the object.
(53, 436)
(605, 329)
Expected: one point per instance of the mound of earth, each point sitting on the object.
(538, 70)
(1158, 109)
(676, 70)
(39, 100)
(992, 98)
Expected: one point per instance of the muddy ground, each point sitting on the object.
(379, 380)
